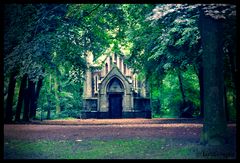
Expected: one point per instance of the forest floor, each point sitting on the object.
(158, 138)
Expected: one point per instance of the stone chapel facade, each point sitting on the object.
(112, 90)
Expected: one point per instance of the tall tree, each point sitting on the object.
(199, 71)
(21, 97)
(32, 86)
(48, 97)
(27, 102)
(36, 96)
(56, 90)
(11, 87)
(214, 128)
(180, 78)
(211, 21)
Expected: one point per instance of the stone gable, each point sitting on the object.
(109, 92)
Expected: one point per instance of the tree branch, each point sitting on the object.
(40, 20)
(92, 10)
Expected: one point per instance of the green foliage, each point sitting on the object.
(231, 105)
(70, 87)
(44, 40)
(167, 98)
(52, 39)
(169, 39)
(166, 46)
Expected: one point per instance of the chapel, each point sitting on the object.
(113, 90)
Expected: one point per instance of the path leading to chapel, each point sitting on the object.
(79, 129)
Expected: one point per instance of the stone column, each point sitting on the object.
(87, 85)
(103, 103)
(117, 61)
(132, 101)
(143, 88)
(122, 67)
(87, 90)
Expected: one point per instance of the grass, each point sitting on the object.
(160, 148)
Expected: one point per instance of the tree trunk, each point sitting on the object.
(226, 103)
(159, 97)
(36, 96)
(48, 99)
(32, 97)
(233, 68)
(151, 94)
(26, 103)
(58, 109)
(181, 86)
(214, 127)
(199, 71)
(237, 88)
(232, 63)
(21, 97)
(11, 87)
(200, 79)
(48, 113)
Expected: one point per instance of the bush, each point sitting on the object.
(74, 113)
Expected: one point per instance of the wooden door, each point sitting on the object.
(115, 105)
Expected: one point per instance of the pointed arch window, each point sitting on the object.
(110, 63)
(106, 68)
(115, 57)
(96, 83)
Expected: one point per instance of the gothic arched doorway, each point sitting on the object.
(115, 92)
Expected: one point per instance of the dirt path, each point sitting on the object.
(107, 129)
